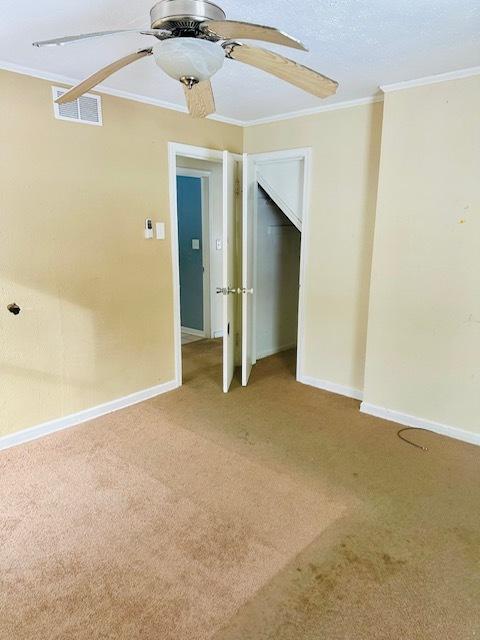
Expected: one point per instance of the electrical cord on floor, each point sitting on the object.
(414, 444)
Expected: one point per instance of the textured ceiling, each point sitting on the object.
(360, 43)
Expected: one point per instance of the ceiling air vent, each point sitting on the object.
(86, 109)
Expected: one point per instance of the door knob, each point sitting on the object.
(225, 291)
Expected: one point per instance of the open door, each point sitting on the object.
(248, 248)
(228, 290)
(285, 177)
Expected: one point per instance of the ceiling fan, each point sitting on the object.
(193, 39)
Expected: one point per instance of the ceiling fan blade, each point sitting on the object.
(283, 68)
(56, 42)
(200, 100)
(233, 30)
(101, 75)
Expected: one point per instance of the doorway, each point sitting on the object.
(193, 219)
(284, 176)
(275, 229)
(212, 255)
(199, 232)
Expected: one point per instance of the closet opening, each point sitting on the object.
(276, 281)
(275, 229)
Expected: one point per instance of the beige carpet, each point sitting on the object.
(278, 511)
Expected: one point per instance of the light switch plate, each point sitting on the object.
(160, 230)
(219, 245)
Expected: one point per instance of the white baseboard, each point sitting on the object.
(420, 423)
(274, 350)
(26, 435)
(333, 387)
(193, 332)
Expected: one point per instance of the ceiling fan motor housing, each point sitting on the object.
(184, 15)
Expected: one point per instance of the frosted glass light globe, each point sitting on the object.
(189, 57)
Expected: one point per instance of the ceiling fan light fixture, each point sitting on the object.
(189, 58)
(193, 39)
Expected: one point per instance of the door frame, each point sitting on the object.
(207, 201)
(268, 157)
(176, 149)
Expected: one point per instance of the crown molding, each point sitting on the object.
(54, 77)
(336, 106)
(426, 80)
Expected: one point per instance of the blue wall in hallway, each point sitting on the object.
(189, 202)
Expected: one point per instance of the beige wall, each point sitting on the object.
(423, 355)
(96, 297)
(346, 146)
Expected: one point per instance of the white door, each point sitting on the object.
(294, 203)
(248, 249)
(229, 292)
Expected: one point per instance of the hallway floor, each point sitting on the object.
(189, 337)
(275, 512)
